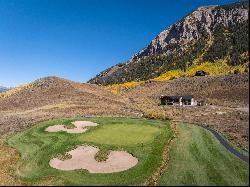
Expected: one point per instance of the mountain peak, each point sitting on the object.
(202, 8)
(196, 36)
(188, 29)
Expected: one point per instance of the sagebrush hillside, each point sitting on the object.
(207, 35)
(53, 97)
(227, 98)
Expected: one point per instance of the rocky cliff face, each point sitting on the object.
(187, 30)
(196, 33)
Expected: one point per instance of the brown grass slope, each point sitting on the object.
(53, 97)
(227, 96)
(226, 90)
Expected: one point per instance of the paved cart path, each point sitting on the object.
(227, 145)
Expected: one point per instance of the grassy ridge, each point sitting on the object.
(197, 158)
(37, 147)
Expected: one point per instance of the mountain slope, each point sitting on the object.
(207, 34)
(54, 97)
(3, 89)
(227, 97)
(50, 90)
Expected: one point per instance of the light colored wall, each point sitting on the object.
(193, 102)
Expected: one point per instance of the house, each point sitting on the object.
(178, 100)
(201, 103)
(201, 73)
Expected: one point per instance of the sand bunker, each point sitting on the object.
(83, 157)
(79, 127)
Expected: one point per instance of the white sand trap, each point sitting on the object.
(83, 157)
(79, 127)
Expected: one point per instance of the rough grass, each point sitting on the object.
(37, 147)
(197, 158)
(226, 137)
(102, 155)
(8, 159)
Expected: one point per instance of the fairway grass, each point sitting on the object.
(144, 139)
(197, 158)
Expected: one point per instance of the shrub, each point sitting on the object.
(169, 75)
(156, 115)
(13, 91)
(116, 88)
(236, 71)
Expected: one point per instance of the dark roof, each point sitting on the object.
(178, 97)
(201, 72)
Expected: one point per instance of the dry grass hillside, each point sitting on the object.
(227, 97)
(54, 97)
(226, 90)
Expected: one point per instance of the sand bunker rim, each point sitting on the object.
(83, 157)
(80, 127)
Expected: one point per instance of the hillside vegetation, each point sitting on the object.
(52, 97)
(207, 35)
(13, 91)
(227, 97)
(3, 89)
(219, 67)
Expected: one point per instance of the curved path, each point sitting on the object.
(226, 144)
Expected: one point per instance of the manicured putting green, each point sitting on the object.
(196, 157)
(121, 134)
(37, 147)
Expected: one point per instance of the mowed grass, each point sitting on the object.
(37, 147)
(121, 134)
(197, 158)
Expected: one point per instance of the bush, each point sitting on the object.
(14, 91)
(236, 71)
(156, 115)
(169, 75)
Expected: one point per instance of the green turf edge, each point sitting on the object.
(155, 157)
(188, 165)
(226, 138)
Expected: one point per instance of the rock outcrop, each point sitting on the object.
(208, 33)
(187, 30)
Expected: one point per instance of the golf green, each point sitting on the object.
(121, 134)
(195, 158)
(142, 138)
